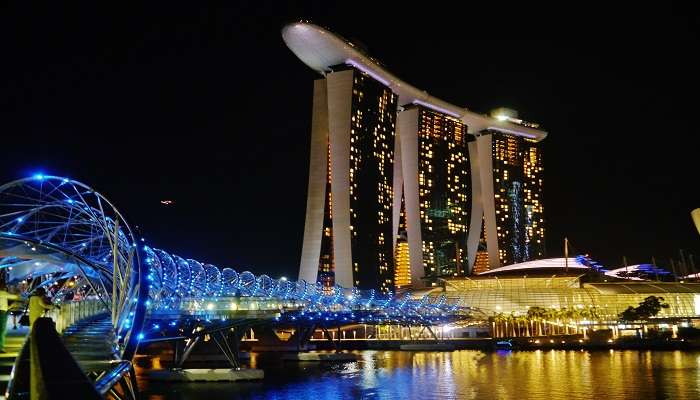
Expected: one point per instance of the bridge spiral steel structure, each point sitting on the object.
(54, 228)
(55, 231)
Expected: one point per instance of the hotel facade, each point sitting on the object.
(406, 189)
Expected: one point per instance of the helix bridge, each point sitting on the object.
(63, 235)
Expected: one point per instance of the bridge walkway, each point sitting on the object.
(91, 343)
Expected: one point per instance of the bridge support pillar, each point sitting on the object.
(183, 350)
(223, 343)
(431, 332)
(335, 343)
(303, 335)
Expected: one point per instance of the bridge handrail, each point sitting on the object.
(75, 311)
(110, 379)
(35, 374)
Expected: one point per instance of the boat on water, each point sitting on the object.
(504, 345)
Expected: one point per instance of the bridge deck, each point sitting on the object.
(91, 343)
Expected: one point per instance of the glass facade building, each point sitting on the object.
(348, 238)
(517, 191)
(533, 170)
(444, 190)
(373, 125)
(515, 295)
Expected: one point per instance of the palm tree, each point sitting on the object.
(537, 314)
(498, 320)
(585, 313)
(561, 318)
(550, 315)
(506, 319)
(522, 323)
(567, 315)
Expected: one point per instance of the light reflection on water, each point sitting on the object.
(463, 374)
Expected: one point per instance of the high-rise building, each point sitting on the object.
(404, 188)
(532, 200)
(512, 196)
(348, 237)
(432, 177)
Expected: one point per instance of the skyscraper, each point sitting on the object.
(511, 184)
(432, 180)
(402, 184)
(351, 182)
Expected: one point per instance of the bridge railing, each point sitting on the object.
(75, 311)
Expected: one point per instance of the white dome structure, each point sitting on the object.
(552, 265)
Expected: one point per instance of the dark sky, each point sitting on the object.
(206, 106)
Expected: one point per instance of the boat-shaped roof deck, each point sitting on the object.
(321, 49)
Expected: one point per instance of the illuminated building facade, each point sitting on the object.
(348, 237)
(402, 266)
(402, 262)
(382, 150)
(553, 285)
(511, 197)
(533, 169)
(434, 181)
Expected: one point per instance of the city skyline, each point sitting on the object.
(264, 199)
(207, 150)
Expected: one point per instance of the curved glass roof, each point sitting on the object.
(553, 265)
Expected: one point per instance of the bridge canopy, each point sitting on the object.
(61, 234)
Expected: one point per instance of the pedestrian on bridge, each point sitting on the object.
(38, 305)
(4, 307)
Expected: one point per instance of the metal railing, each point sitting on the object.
(74, 311)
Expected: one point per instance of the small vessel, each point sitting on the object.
(503, 345)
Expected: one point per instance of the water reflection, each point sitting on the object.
(463, 375)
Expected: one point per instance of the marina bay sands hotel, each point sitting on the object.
(405, 188)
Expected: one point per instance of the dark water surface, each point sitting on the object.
(466, 374)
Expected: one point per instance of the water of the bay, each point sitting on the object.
(466, 374)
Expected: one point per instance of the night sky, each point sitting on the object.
(207, 107)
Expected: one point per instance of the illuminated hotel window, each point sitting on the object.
(517, 166)
(374, 108)
(444, 193)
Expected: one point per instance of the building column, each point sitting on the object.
(477, 210)
(313, 226)
(398, 189)
(407, 125)
(484, 146)
(339, 94)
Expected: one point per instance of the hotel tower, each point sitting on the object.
(405, 188)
